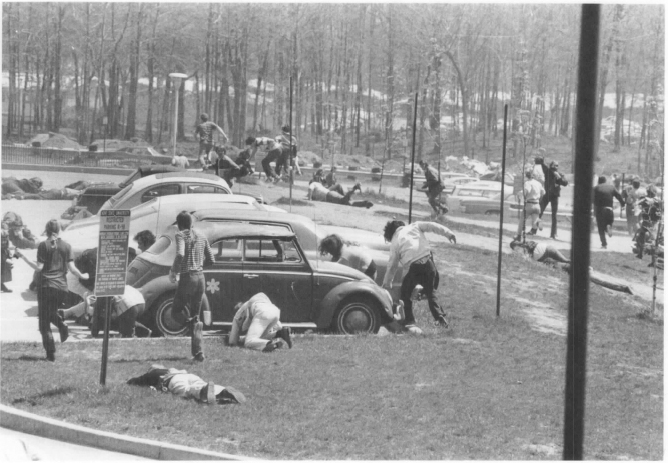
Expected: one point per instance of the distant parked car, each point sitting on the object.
(171, 183)
(256, 258)
(487, 205)
(141, 151)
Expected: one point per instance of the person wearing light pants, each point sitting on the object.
(259, 319)
(533, 191)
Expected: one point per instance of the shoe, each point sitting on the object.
(273, 345)
(6, 289)
(51, 356)
(199, 357)
(608, 230)
(540, 227)
(230, 395)
(357, 187)
(604, 247)
(64, 332)
(444, 209)
(441, 321)
(208, 394)
(285, 334)
(532, 232)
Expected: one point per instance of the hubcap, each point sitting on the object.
(357, 319)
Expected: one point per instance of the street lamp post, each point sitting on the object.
(176, 78)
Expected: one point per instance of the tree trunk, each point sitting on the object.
(462, 84)
(131, 120)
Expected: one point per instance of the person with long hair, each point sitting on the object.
(352, 256)
(54, 259)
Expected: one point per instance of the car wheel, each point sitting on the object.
(357, 315)
(492, 212)
(167, 321)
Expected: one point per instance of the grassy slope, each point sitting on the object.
(484, 390)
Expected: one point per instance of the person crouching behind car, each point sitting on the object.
(259, 318)
(352, 256)
(410, 248)
(125, 309)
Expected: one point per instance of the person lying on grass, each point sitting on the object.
(259, 319)
(540, 252)
(187, 385)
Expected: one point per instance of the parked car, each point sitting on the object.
(481, 188)
(157, 214)
(488, 205)
(147, 267)
(255, 258)
(141, 151)
(92, 198)
(165, 184)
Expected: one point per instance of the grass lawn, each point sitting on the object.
(488, 388)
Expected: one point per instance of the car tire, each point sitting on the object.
(166, 322)
(357, 315)
(492, 212)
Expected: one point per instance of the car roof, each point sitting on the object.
(178, 176)
(287, 217)
(202, 199)
(217, 231)
(158, 168)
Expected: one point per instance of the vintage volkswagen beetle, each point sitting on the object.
(257, 258)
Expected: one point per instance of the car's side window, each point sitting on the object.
(268, 250)
(204, 189)
(228, 250)
(161, 190)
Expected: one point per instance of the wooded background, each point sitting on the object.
(355, 70)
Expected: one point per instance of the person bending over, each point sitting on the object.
(259, 318)
(410, 248)
(353, 256)
(187, 385)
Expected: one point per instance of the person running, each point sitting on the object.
(204, 132)
(259, 318)
(353, 256)
(410, 248)
(54, 259)
(193, 253)
(288, 144)
(553, 183)
(604, 193)
(433, 187)
(187, 385)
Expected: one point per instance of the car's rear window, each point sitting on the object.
(114, 199)
(160, 245)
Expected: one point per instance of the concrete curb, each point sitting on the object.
(58, 167)
(30, 423)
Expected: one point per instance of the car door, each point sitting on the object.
(278, 269)
(223, 280)
(164, 189)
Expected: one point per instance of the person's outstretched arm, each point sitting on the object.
(438, 229)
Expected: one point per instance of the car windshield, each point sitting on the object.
(114, 199)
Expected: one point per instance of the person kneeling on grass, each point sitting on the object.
(540, 252)
(353, 256)
(259, 319)
(187, 385)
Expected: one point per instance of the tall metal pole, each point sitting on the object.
(503, 185)
(106, 303)
(292, 162)
(176, 78)
(578, 302)
(410, 201)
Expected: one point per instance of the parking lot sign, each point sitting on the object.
(112, 253)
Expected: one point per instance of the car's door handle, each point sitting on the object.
(251, 275)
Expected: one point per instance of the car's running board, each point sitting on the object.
(307, 325)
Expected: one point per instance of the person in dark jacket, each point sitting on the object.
(433, 186)
(553, 183)
(604, 193)
(8, 252)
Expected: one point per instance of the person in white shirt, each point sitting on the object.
(259, 318)
(540, 252)
(539, 170)
(533, 191)
(180, 161)
(410, 248)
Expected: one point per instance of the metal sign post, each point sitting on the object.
(112, 263)
(503, 183)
